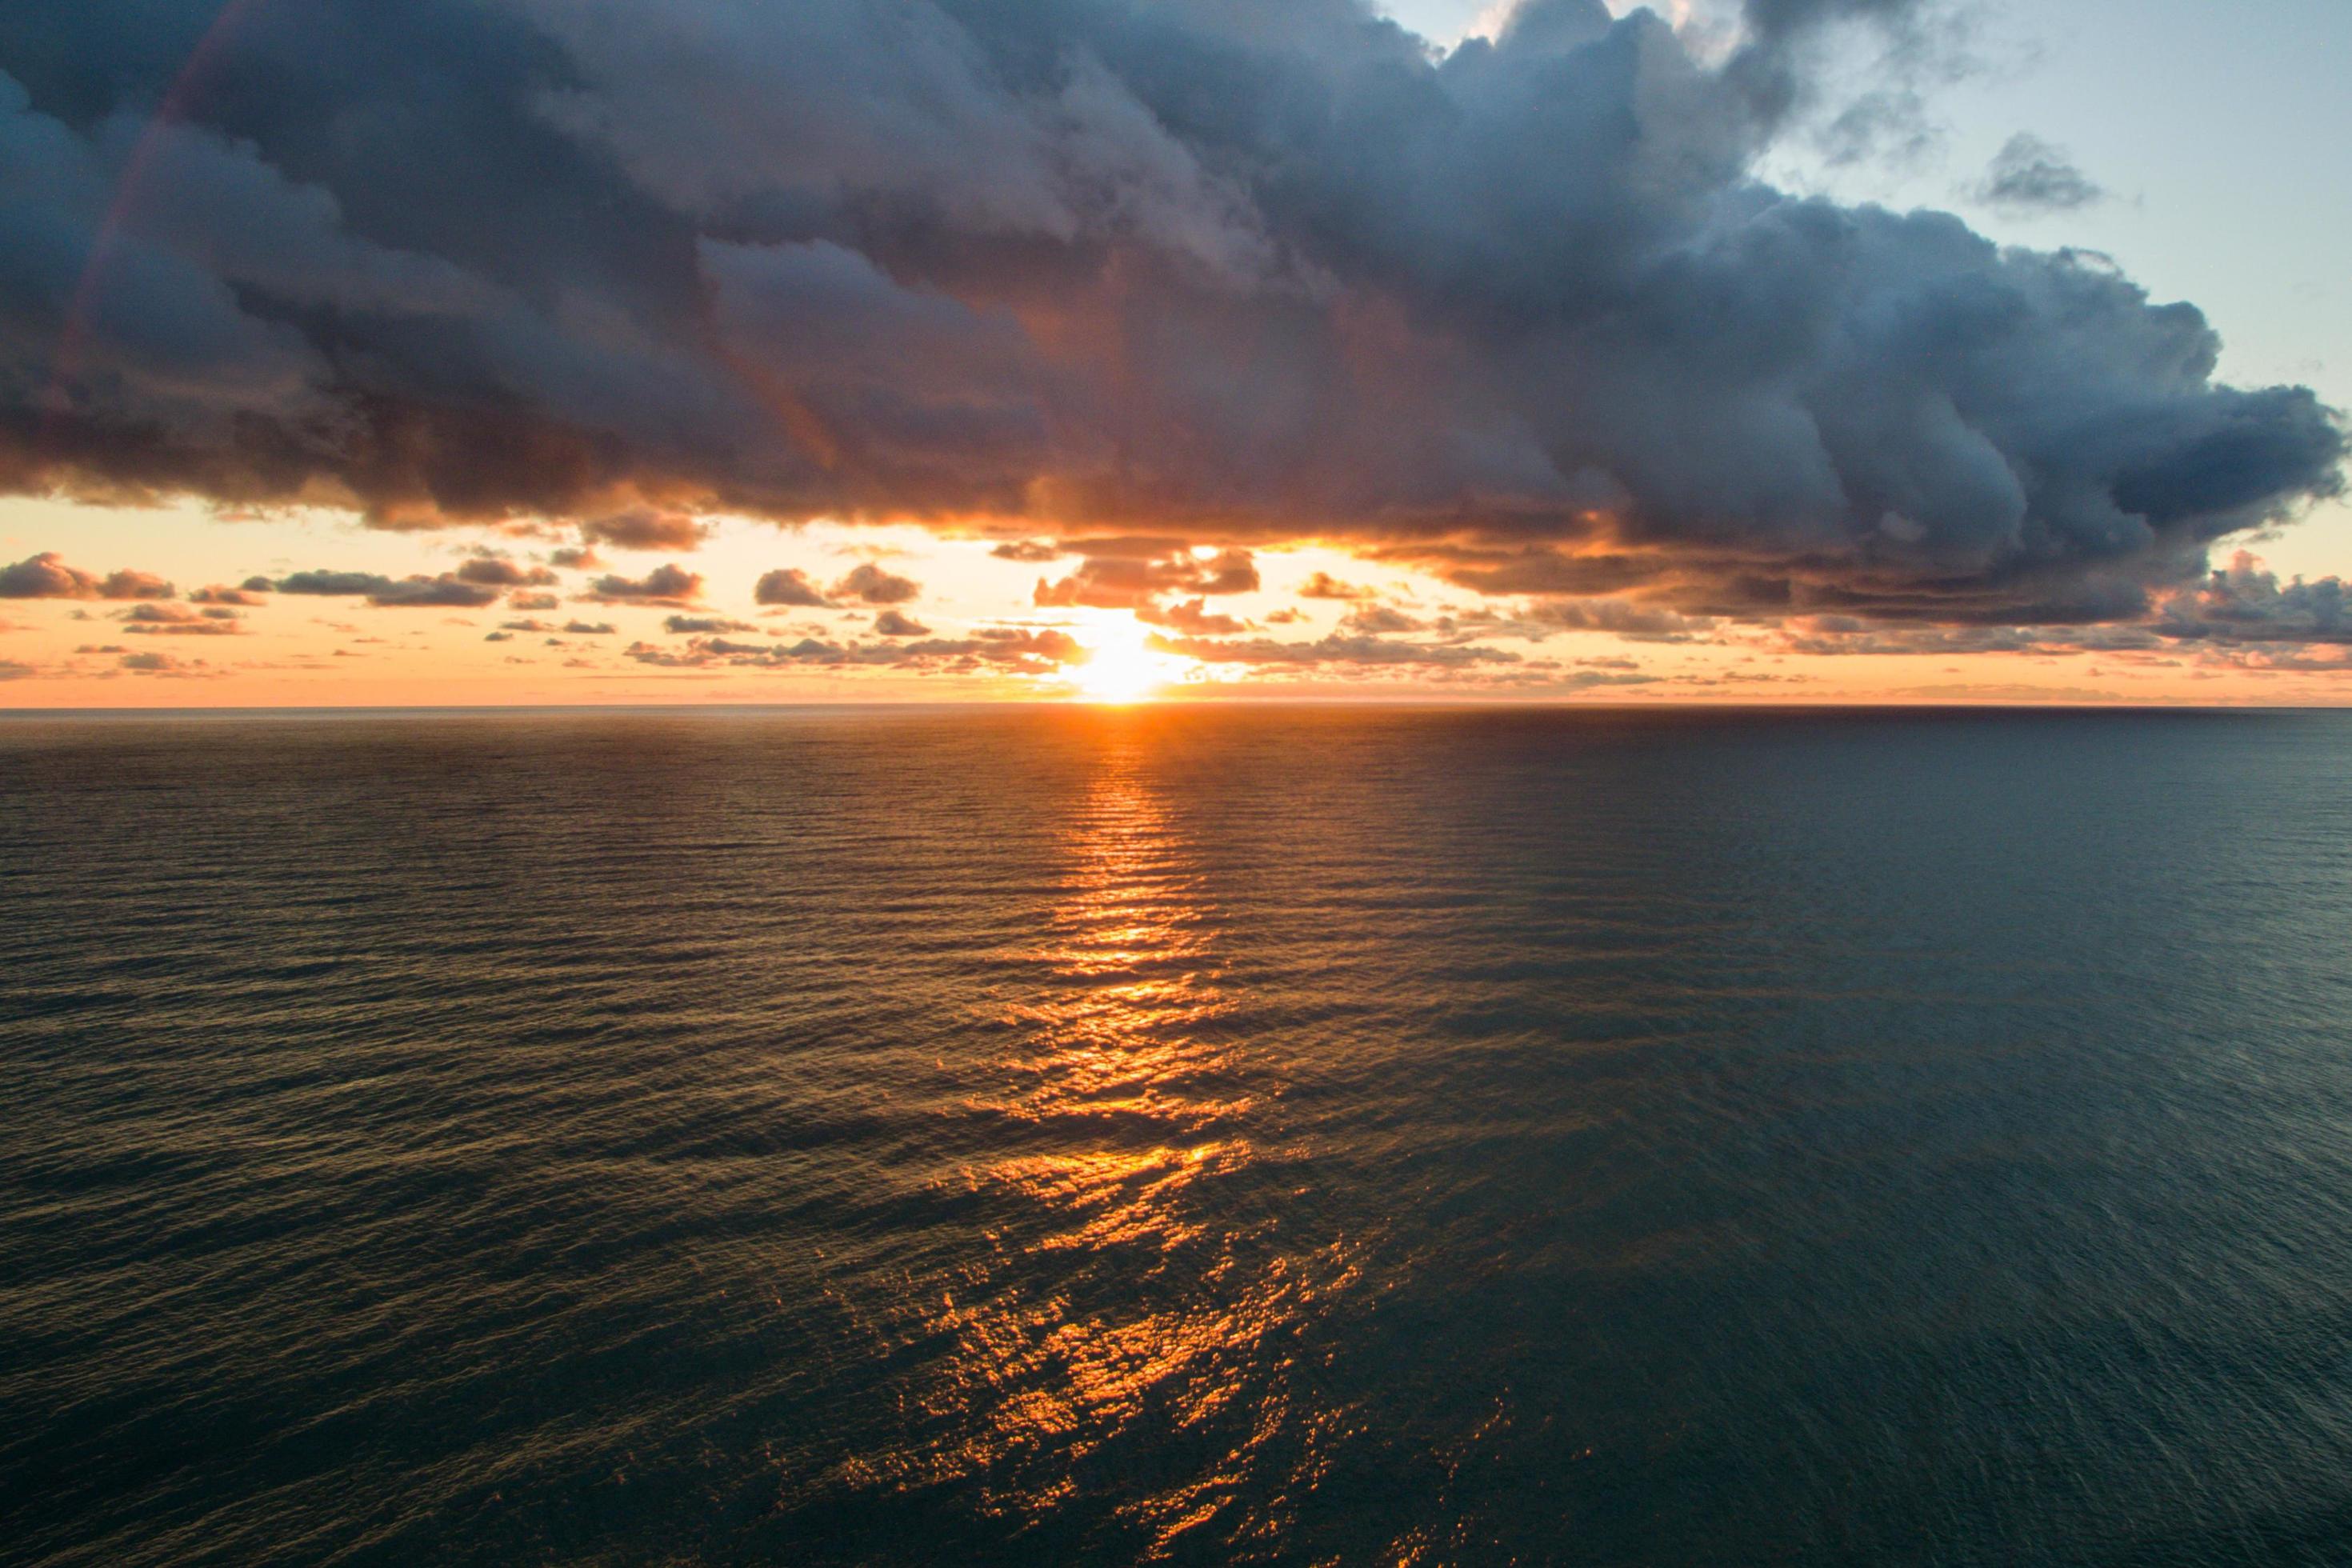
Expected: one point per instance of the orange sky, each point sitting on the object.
(1406, 634)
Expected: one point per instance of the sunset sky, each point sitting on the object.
(1802, 351)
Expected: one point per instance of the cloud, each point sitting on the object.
(47, 576)
(179, 620)
(328, 585)
(446, 590)
(871, 584)
(1380, 619)
(702, 625)
(2245, 604)
(1243, 274)
(891, 624)
(164, 664)
(789, 586)
(1028, 550)
(575, 558)
(17, 669)
(1337, 649)
(1634, 622)
(498, 571)
(1190, 616)
(216, 594)
(1122, 573)
(999, 650)
(134, 585)
(1323, 585)
(2028, 175)
(1589, 679)
(642, 528)
(668, 584)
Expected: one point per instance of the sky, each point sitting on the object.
(1786, 351)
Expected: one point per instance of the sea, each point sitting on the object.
(1183, 1133)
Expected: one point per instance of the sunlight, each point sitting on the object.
(1123, 666)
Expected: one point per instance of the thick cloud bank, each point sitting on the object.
(1209, 270)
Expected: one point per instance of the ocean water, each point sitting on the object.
(1177, 1134)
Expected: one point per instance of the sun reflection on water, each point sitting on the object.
(1128, 1295)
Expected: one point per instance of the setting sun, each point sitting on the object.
(1122, 666)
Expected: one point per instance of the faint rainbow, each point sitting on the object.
(65, 359)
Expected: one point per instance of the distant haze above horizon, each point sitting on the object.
(1824, 351)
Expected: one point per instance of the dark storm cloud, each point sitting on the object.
(47, 576)
(1196, 270)
(1534, 569)
(2029, 176)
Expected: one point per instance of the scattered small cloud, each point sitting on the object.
(498, 571)
(790, 585)
(1323, 585)
(671, 585)
(642, 528)
(155, 619)
(47, 576)
(2028, 176)
(869, 583)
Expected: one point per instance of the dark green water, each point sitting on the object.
(1283, 1135)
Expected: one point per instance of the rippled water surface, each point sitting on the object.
(1278, 1135)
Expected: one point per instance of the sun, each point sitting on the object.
(1122, 666)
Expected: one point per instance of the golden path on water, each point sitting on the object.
(1133, 1304)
